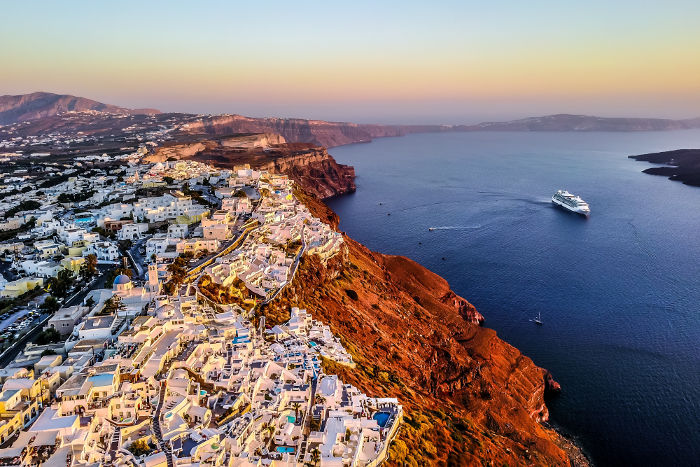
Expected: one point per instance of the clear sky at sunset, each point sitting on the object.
(450, 62)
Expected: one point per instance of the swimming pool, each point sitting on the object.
(291, 418)
(284, 449)
(312, 344)
(382, 418)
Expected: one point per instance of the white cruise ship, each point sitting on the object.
(571, 203)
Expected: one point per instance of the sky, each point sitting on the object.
(382, 61)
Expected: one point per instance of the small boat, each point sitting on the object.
(431, 228)
(538, 320)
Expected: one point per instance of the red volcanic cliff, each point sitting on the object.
(318, 132)
(316, 171)
(310, 166)
(470, 397)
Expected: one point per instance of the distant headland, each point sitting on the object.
(682, 165)
(47, 111)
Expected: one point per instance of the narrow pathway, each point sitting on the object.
(156, 427)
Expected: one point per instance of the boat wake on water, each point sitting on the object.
(506, 196)
(456, 227)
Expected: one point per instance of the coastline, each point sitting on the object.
(681, 165)
(571, 444)
(564, 441)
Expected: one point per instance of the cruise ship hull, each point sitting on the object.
(578, 211)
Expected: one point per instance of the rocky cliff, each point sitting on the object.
(316, 171)
(310, 166)
(682, 165)
(318, 132)
(470, 398)
(45, 104)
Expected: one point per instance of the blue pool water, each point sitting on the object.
(103, 379)
(618, 293)
(313, 344)
(291, 418)
(381, 418)
(284, 449)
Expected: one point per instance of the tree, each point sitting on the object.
(90, 302)
(60, 284)
(50, 304)
(88, 269)
(296, 406)
(188, 255)
(22, 206)
(269, 429)
(114, 304)
(125, 244)
(124, 271)
(169, 288)
(139, 448)
(168, 180)
(315, 456)
(177, 270)
(48, 336)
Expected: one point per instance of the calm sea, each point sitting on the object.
(619, 293)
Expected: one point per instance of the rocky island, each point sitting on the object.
(681, 165)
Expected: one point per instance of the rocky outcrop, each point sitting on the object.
(316, 171)
(38, 105)
(682, 165)
(470, 397)
(551, 387)
(318, 132)
(310, 166)
(175, 151)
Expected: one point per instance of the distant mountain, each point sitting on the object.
(38, 105)
(567, 122)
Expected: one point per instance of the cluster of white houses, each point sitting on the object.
(173, 380)
(141, 378)
(265, 260)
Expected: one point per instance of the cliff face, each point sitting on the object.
(470, 397)
(45, 104)
(310, 166)
(316, 171)
(318, 132)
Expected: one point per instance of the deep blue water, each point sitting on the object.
(619, 293)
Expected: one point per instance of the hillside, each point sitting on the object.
(470, 398)
(307, 164)
(38, 105)
(46, 112)
(318, 132)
